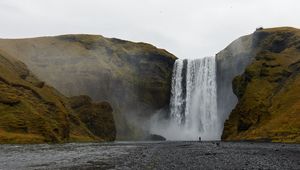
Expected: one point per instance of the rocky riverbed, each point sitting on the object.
(152, 155)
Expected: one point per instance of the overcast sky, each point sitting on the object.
(187, 28)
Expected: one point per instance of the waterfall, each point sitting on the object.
(193, 101)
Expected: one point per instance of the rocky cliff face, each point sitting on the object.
(268, 90)
(96, 116)
(231, 62)
(33, 112)
(134, 77)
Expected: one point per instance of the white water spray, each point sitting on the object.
(193, 102)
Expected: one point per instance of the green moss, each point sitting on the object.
(121, 72)
(268, 91)
(35, 113)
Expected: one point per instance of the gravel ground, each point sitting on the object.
(152, 155)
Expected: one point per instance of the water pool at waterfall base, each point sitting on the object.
(152, 155)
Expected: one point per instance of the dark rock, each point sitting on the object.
(40, 84)
(96, 116)
(155, 137)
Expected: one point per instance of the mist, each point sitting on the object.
(170, 129)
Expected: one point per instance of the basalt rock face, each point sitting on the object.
(97, 117)
(33, 112)
(268, 107)
(134, 77)
(230, 63)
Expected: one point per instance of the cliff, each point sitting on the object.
(33, 112)
(268, 90)
(134, 77)
(230, 63)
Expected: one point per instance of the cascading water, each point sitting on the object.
(194, 98)
(193, 103)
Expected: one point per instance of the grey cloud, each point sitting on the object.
(189, 29)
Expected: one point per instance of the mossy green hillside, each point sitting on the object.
(134, 77)
(268, 91)
(33, 112)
